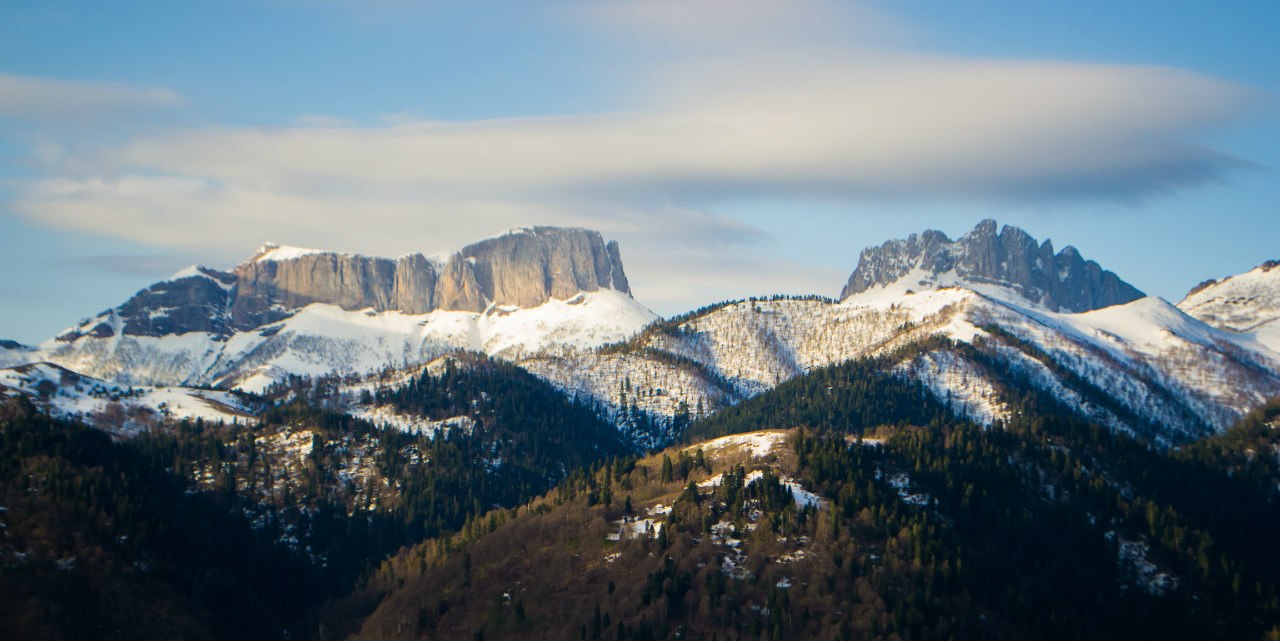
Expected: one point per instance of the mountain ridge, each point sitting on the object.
(288, 310)
(1011, 258)
(524, 267)
(1129, 367)
(1141, 366)
(1245, 303)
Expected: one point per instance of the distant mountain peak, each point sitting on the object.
(293, 310)
(524, 267)
(1249, 301)
(989, 257)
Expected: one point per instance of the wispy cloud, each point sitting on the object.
(33, 98)
(734, 100)
(892, 126)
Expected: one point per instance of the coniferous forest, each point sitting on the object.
(207, 525)
(920, 526)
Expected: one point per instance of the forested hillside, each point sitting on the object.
(243, 531)
(1048, 528)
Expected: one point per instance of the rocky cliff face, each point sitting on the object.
(197, 299)
(522, 268)
(529, 266)
(1011, 259)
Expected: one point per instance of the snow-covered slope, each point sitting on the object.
(1159, 363)
(122, 410)
(649, 394)
(323, 339)
(1143, 366)
(583, 322)
(15, 353)
(1024, 316)
(1247, 303)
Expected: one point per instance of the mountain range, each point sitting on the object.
(980, 437)
(557, 303)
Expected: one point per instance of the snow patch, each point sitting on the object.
(631, 528)
(803, 497)
(388, 417)
(757, 444)
(716, 480)
(273, 251)
(1134, 555)
(902, 483)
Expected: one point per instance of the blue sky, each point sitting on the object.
(733, 147)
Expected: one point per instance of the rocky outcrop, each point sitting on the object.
(269, 289)
(1011, 258)
(527, 267)
(197, 299)
(523, 268)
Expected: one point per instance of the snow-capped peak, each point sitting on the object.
(1008, 260)
(1248, 302)
(275, 251)
(1241, 302)
(186, 272)
(222, 279)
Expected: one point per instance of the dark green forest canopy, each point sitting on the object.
(849, 397)
(1050, 527)
(213, 555)
(1047, 526)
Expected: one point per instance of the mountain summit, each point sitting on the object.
(1245, 303)
(289, 310)
(1010, 259)
(525, 268)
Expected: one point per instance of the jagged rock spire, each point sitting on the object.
(1008, 258)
